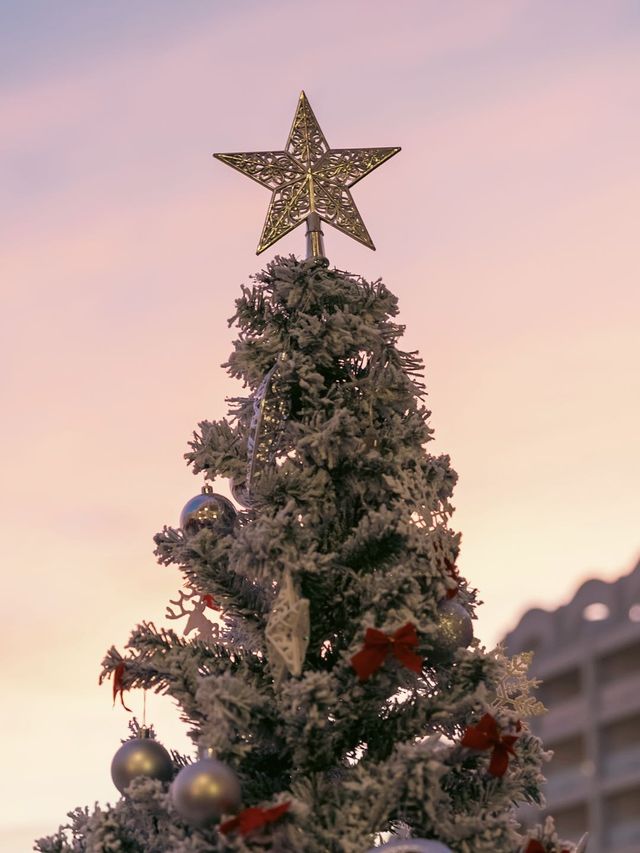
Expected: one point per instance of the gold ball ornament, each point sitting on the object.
(140, 756)
(208, 510)
(455, 630)
(205, 790)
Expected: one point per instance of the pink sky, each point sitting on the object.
(508, 227)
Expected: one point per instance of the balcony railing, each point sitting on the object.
(567, 784)
(622, 763)
(624, 835)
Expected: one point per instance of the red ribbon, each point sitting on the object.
(486, 735)
(452, 571)
(378, 646)
(210, 601)
(118, 686)
(254, 818)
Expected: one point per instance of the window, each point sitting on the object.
(621, 734)
(572, 823)
(596, 612)
(621, 745)
(620, 663)
(567, 754)
(622, 820)
(560, 688)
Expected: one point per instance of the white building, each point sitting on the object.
(588, 655)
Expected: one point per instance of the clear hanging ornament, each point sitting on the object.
(271, 408)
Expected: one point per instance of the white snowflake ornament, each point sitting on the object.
(514, 689)
(287, 632)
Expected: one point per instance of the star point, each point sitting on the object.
(309, 177)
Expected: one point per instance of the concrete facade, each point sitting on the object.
(588, 655)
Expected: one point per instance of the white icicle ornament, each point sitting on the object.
(287, 632)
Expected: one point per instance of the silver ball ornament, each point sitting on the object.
(205, 790)
(208, 510)
(455, 629)
(140, 756)
(412, 845)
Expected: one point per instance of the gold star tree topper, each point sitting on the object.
(310, 181)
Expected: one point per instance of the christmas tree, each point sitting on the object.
(340, 702)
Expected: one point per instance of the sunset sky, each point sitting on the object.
(508, 227)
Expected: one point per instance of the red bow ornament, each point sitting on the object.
(378, 646)
(118, 686)
(209, 601)
(254, 818)
(486, 735)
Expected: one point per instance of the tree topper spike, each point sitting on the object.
(310, 181)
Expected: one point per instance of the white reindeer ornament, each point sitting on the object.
(208, 631)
